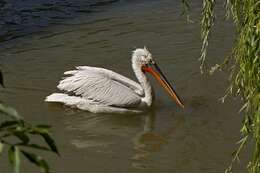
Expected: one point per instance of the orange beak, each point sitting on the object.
(164, 82)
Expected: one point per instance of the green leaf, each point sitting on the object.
(43, 126)
(1, 79)
(51, 143)
(22, 136)
(9, 111)
(46, 136)
(38, 131)
(34, 146)
(14, 158)
(17, 160)
(8, 124)
(1, 148)
(11, 155)
(37, 160)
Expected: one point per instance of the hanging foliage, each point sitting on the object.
(245, 72)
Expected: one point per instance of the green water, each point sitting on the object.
(198, 139)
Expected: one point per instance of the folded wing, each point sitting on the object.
(101, 86)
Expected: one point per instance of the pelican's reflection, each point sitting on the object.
(154, 136)
(146, 142)
(119, 135)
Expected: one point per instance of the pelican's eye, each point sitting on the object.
(152, 61)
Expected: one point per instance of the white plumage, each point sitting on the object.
(100, 90)
(101, 86)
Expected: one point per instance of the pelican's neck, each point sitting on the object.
(144, 82)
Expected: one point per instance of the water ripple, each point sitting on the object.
(18, 19)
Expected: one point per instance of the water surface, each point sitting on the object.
(198, 139)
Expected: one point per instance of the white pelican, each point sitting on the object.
(99, 90)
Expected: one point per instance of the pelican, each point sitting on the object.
(99, 90)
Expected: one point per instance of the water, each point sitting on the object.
(35, 53)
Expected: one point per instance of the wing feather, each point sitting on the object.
(98, 84)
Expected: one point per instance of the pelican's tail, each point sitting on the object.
(65, 99)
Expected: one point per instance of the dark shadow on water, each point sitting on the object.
(22, 18)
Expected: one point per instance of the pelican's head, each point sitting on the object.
(142, 60)
(142, 57)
